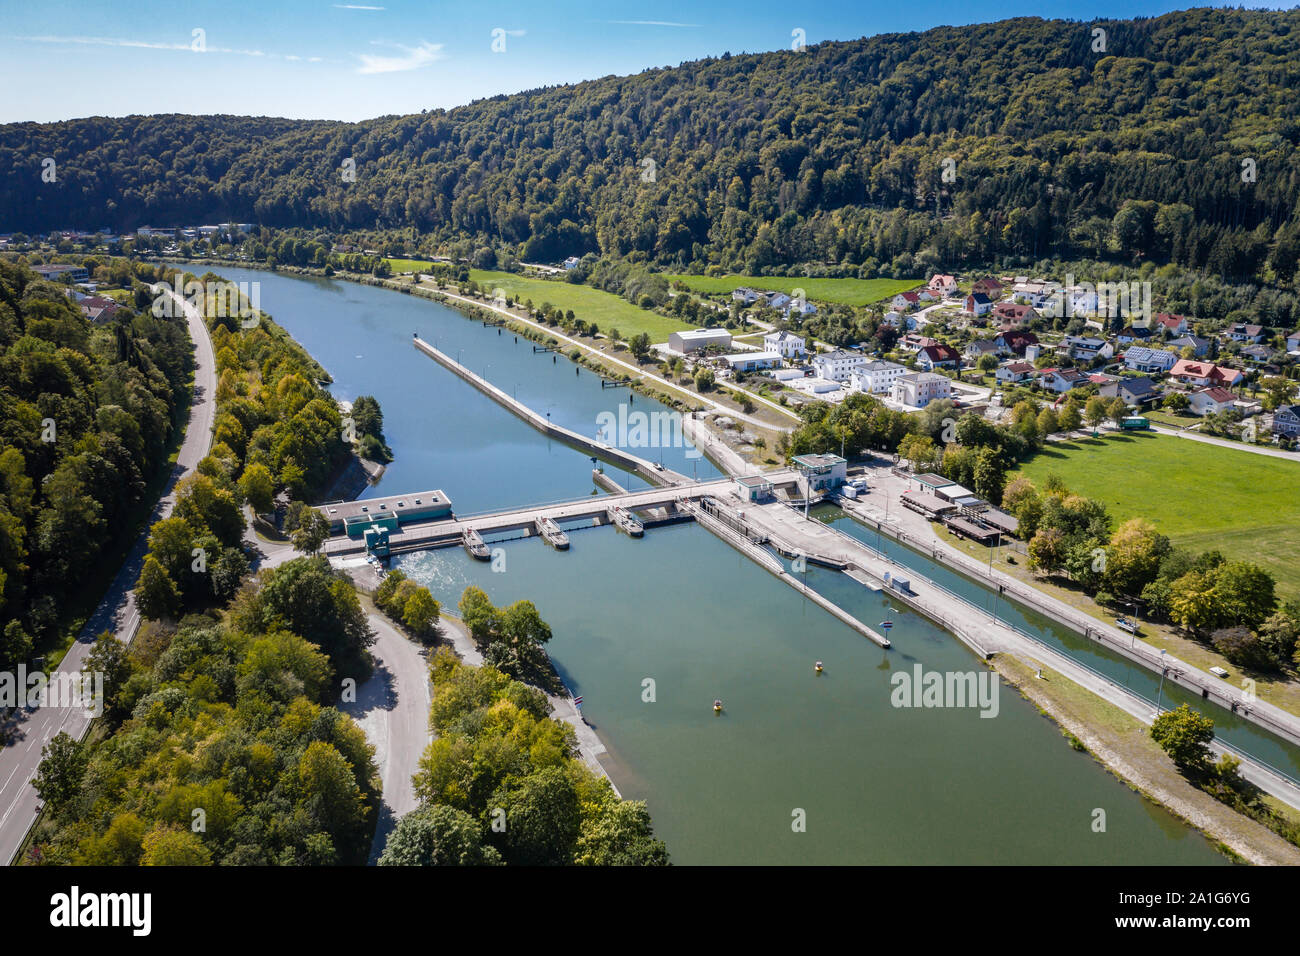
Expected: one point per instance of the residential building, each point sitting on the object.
(1016, 342)
(1014, 315)
(1205, 374)
(572, 262)
(938, 356)
(744, 295)
(1293, 341)
(943, 285)
(59, 271)
(1143, 359)
(876, 378)
(1062, 379)
(920, 389)
(1241, 332)
(914, 342)
(1286, 421)
(1200, 347)
(1176, 324)
(752, 361)
(989, 286)
(1259, 354)
(784, 343)
(977, 303)
(1207, 401)
(838, 366)
(1134, 391)
(1139, 334)
(1086, 348)
(979, 347)
(1013, 371)
(692, 340)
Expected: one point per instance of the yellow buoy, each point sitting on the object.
(819, 667)
(717, 706)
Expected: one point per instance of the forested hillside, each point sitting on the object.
(86, 414)
(833, 155)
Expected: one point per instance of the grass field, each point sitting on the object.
(1202, 496)
(843, 291)
(607, 310)
(409, 265)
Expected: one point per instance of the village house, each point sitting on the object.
(979, 347)
(877, 377)
(1062, 379)
(1205, 374)
(938, 356)
(1014, 315)
(1013, 371)
(1241, 332)
(943, 285)
(914, 342)
(1259, 354)
(1293, 341)
(910, 300)
(1134, 391)
(1286, 421)
(1139, 334)
(1143, 359)
(1176, 324)
(744, 295)
(1036, 293)
(97, 308)
(988, 286)
(785, 344)
(1200, 347)
(920, 389)
(1208, 401)
(977, 303)
(1084, 348)
(1016, 342)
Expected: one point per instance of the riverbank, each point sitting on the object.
(1123, 745)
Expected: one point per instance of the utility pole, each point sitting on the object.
(1162, 682)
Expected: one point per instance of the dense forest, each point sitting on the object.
(1172, 138)
(87, 412)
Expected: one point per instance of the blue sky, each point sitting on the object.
(61, 59)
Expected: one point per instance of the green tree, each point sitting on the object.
(438, 835)
(108, 658)
(312, 532)
(542, 819)
(1185, 736)
(156, 595)
(59, 774)
(258, 487)
(420, 613)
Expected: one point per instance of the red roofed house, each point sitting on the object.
(1176, 324)
(1015, 371)
(938, 356)
(1210, 400)
(1014, 315)
(1062, 379)
(915, 341)
(989, 286)
(1205, 374)
(1016, 342)
(943, 285)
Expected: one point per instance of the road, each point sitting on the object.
(1222, 442)
(31, 729)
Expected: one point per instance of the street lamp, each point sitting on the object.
(1162, 682)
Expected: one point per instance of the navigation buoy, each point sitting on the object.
(818, 668)
(717, 706)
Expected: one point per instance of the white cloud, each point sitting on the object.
(127, 43)
(652, 23)
(355, 6)
(411, 58)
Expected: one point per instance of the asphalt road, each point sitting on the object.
(31, 728)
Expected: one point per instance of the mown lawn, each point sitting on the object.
(409, 265)
(607, 310)
(1202, 496)
(843, 291)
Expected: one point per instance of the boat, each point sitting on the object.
(624, 520)
(474, 544)
(1128, 625)
(551, 533)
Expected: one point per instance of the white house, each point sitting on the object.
(786, 344)
(1087, 348)
(1207, 401)
(977, 303)
(1014, 371)
(1293, 341)
(572, 262)
(920, 389)
(943, 285)
(1063, 379)
(878, 377)
(838, 366)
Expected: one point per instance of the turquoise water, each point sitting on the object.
(875, 783)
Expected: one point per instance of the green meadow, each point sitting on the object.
(1202, 496)
(607, 310)
(842, 291)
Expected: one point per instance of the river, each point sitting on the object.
(870, 782)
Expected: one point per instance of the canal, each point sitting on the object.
(697, 620)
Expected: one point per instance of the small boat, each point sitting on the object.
(1126, 624)
(474, 544)
(717, 706)
(551, 533)
(818, 667)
